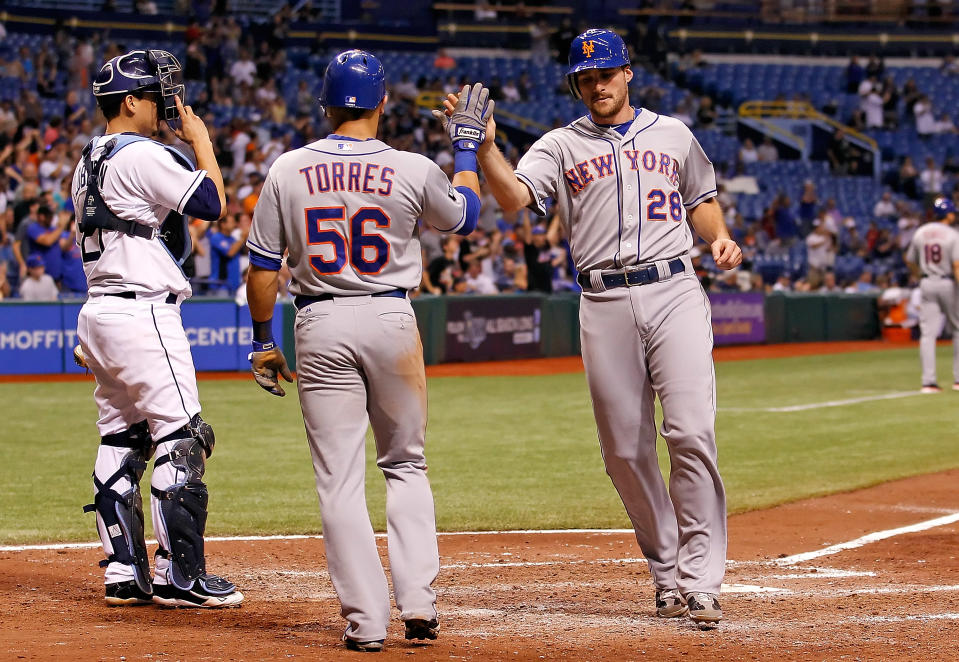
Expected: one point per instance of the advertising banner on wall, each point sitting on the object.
(492, 328)
(738, 318)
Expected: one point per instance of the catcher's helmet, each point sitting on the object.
(353, 79)
(943, 207)
(595, 49)
(152, 70)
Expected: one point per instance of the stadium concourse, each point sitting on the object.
(825, 222)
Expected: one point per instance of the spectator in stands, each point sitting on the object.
(910, 95)
(748, 153)
(841, 155)
(444, 60)
(243, 70)
(852, 243)
(45, 236)
(509, 270)
(787, 227)
(681, 112)
(855, 74)
(945, 124)
(932, 180)
(5, 289)
(202, 264)
(875, 68)
(925, 118)
(74, 280)
(38, 285)
(821, 247)
(767, 151)
(829, 283)
(884, 207)
(706, 115)
(871, 104)
(539, 257)
(890, 103)
(477, 282)
(808, 203)
(510, 91)
(405, 89)
(56, 164)
(949, 66)
(884, 246)
(225, 256)
(864, 284)
(907, 179)
(443, 271)
(908, 223)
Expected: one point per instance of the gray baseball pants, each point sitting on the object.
(937, 294)
(656, 339)
(360, 361)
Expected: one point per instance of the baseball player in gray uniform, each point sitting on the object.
(132, 197)
(933, 254)
(629, 184)
(345, 209)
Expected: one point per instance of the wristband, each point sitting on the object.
(263, 336)
(464, 160)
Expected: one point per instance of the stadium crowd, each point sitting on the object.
(228, 65)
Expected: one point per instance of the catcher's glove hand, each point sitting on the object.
(265, 367)
(466, 125)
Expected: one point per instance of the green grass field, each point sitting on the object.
(504, 452)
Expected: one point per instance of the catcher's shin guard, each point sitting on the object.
(122, 514)
(183, 505)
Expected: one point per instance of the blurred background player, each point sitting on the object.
(933, 256)
(359, 359)
(133, 195)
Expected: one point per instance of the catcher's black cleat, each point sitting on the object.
(420, 628)
(374, 646)
(208, 592)
(126, 594)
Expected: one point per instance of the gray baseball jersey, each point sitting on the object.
(347, 211)
(934, 247)
(625, 197)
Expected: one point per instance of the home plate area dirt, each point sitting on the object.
(867, 575)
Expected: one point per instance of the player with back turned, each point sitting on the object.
(132, 196)
(629, 183)
(933, 255)
(345, 209)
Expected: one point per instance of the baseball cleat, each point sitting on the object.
(670, 603)
(208, 592)
(930, 388)
(704, 608)
(122, 594)
(374, 646)
(420, 628)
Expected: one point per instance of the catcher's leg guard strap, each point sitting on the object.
(122, 514)
(183, 507)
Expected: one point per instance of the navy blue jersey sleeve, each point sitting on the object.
(205, 202)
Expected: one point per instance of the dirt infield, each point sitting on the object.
(559, 596)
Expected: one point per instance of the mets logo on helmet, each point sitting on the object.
(588, 48)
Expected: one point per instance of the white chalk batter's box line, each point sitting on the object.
(822, 405)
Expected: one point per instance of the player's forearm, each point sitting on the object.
(510, 193)
(467, 178)
(955, 271)
(707, 220)
(261, 288)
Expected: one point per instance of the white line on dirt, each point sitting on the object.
(865, 540)
(824, 573)
(823, 405)
(903, 619)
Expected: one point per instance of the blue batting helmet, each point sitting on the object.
(152, 70)
(943, 207)
(595, 49)
(353, 79)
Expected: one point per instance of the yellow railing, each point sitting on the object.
(798, 110)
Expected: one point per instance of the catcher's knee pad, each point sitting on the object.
(183, 507)
(122, 514)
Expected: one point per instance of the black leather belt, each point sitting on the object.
(302, 300)
(170, 298)
(638, 276)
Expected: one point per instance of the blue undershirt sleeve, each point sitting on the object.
(204, 203)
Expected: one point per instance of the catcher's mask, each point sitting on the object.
(152, 70)
(594, 49)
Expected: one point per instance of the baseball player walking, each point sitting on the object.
(132, 197)
(345, 208)
(629, 183)
(933, 254)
